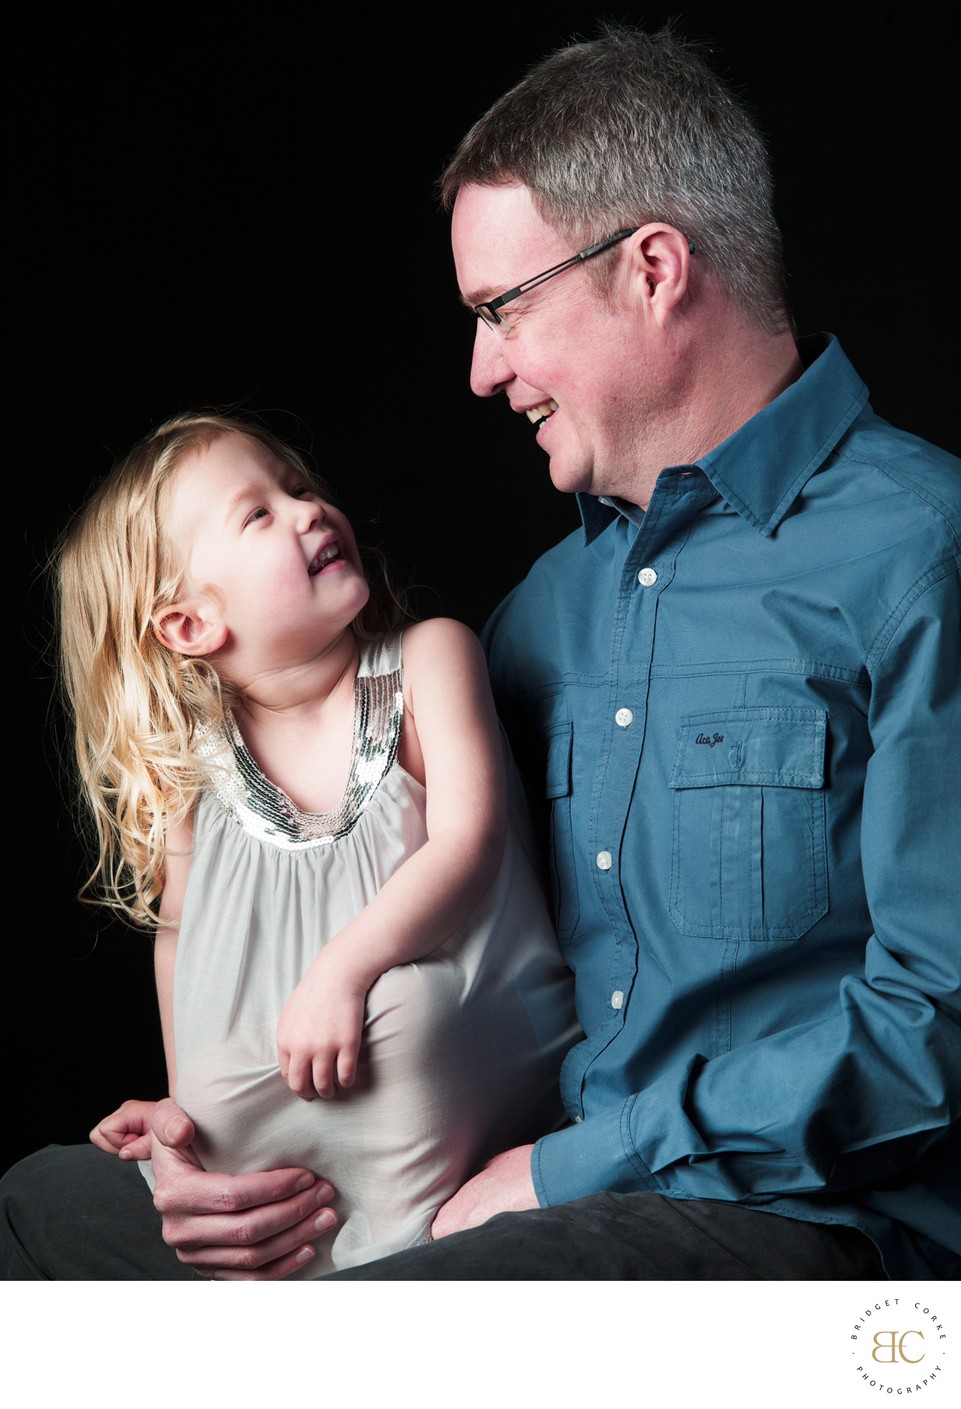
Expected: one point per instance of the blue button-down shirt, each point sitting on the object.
(743, 708)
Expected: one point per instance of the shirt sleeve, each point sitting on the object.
(858, 1097)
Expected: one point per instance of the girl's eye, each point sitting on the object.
(257, 514)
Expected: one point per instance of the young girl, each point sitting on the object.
(310, 807)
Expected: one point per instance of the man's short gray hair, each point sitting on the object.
(630, 128)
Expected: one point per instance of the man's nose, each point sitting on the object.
(489, 369)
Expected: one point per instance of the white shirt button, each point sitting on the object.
(623, 717)
(647, 577)
(604, 861)
(617, 999)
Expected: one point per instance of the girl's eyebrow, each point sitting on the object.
(256, 490)
(242, 496)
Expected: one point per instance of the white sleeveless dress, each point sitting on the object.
(460, 1050)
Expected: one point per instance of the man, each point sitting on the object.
(737, 690)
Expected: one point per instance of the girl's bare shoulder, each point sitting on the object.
(424, 640)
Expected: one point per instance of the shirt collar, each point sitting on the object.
(764, 465)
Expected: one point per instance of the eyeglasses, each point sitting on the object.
(488, 313)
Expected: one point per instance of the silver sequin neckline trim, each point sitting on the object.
(265, 811)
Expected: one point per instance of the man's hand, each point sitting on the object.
(503, 1186)
(320, 1027)
(233, 1227)
(126, 1132)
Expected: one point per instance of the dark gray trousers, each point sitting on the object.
(73, 1213)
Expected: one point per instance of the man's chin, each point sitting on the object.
(569, 479)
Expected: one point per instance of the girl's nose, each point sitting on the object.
(308, 514)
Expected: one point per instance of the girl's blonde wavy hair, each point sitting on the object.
(139, 709)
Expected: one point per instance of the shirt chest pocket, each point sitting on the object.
(749, 854)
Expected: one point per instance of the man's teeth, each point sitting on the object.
(538, 414)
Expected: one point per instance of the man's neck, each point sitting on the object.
(728, 377)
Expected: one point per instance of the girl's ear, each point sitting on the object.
(191, 628)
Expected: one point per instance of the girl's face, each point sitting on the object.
(283, 564)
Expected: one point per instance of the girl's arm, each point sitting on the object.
(452, 743)
(178, 846)
(126, 1131)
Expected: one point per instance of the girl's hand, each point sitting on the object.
(127, 1131)
(319, 1032)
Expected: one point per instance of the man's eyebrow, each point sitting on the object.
(488, 295)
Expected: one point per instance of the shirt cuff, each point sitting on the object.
(587, 1157)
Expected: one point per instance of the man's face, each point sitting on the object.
(570, 359)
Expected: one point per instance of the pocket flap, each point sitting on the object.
(560, 742)
(761, 745)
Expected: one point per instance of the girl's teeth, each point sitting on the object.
(325, 557)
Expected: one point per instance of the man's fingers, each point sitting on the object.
(171, 1125)
(221, 1209)
(268, 1272)
(247, 1246)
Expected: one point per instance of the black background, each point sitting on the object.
(236, 208)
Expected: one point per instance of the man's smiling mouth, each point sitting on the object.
(537, 415)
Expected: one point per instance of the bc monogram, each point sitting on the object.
(889, 1347)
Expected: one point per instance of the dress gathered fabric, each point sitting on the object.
(460, 1050)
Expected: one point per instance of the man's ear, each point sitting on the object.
(661, 263)
(191, 627)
